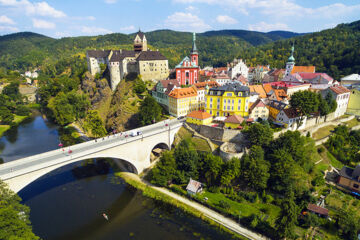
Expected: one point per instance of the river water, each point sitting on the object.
(68, 203)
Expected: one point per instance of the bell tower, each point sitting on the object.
(140, 42)
(194, 52)
(290, 63)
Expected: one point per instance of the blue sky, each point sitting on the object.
(62, 18)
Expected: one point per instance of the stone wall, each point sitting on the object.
(219, 134)
(230, 150)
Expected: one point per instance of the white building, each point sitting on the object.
(291, 118)
(341, 95)
(238, 67)
(222, 79)
(353, 79)
(202, 88)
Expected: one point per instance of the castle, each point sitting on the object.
(151, 65)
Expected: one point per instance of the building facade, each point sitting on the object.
(229, 99)
(182, 101)
(188, 70)
(151, 65)
(237, 68)
(258, 110)
(341, 95)
(162, 89)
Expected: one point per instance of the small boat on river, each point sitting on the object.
(105, 216)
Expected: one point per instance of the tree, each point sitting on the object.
(231, 170)
(259, 134)
(212, 168)
(187, 159)
(149, 111)
(14, 217)
(305, 102)
(255, 170)
(94, 124)
(22, 110)
(165, 170)
(285, 223)
(6, 117)
(331, 102)
(348, 224)
(12, 91)
(140, 86)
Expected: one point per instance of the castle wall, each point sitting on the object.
(153, 69)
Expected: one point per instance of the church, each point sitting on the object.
(187, 71)
(151, 65)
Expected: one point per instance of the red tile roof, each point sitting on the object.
(202, 85)
(234, 119)
(303, 69)
(339, 89)
(316, 209)
(258, 89)
(199, 115)
(291, 112)
(183, 92)
(257, 103)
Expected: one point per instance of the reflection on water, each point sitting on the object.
(68, 203)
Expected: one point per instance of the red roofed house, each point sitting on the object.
(188, 70)
(291, 118)
(201, 88)
(199, 118)
(341, 94)
(233, 121)
(258, 110)
(318, 210)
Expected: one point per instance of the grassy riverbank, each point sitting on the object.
(16, 122)
(153, 193)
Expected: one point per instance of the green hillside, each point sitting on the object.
(334, 51)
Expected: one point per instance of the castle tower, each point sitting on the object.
(140, 42)
(290, 63)
(194, 52)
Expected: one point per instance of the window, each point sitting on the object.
(210, 99)
(229, 94)
(239, 101)
(356, 185)
(187, 74)
(218, 100)
(224, 101)
(239, 108)
(228, 108)
(228, 101)
(233, 101)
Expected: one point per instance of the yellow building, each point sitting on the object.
(229, 99)
(182, 101)
(233, 122)
(199, 118)
(354, 102)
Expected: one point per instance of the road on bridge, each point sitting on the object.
(19, 167)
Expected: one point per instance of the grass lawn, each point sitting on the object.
(19, 119)
(334, 162)
(352, 123)
(245, 208)
(4, 128)
(322, 132)
(183, 133)
(201, 144)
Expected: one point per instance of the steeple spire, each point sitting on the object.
(194, 49)
(291, 58)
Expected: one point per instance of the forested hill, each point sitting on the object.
(27, 50)
(334, 51)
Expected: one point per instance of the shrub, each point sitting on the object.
(318, 181)
(321, 150)
(22, 110)
(214, 189)
(225, 205)
(269, 198)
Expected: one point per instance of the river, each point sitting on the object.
(68, 203)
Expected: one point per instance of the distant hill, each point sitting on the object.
(335, 51)
(253, 37)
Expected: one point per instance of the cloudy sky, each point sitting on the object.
(62, 18)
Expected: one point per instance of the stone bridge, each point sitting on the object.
(135, 150)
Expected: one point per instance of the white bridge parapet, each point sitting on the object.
(133, 149)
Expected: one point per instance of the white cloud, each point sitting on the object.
(62, 34)
(186, 22)
(266, 27)
(128, 28)
(190, 8)
(226, 19)
(94, 30)
(282, 8)
(8, 29)
(6, 20)
(110, 1)
(34, 9)
(38, 23)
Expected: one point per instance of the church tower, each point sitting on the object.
(140, 42)
(290, 63)
(194, 52)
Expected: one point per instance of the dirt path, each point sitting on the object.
(211, 214)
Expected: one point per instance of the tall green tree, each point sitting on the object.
(165, 170)
(6, 117)
(149, 111)
(255, 170)
(212, 168)
(305, 102)
(259, 134)
(187, 159)
(14, 217)
(286, 222)
(94, 124)
(231, 171)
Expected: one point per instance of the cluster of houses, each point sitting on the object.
(238, 93)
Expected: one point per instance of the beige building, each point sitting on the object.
(259, 110)
(151, 65)
(182, 101)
